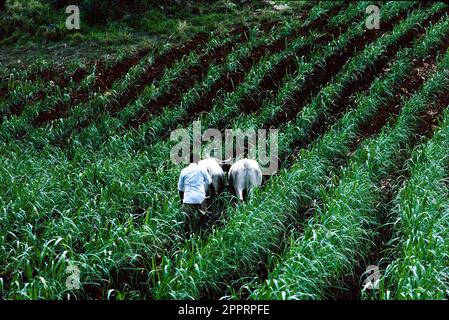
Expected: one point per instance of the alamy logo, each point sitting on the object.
(73, 20)
(259, 145)
(373, 20)
(73, 280)
(373, 278)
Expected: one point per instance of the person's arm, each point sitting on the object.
(181, 187)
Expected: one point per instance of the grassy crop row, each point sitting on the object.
(22, 90)
(322, 105)
(19, 126)
(421, 214)
(152, 235)
(24, 85)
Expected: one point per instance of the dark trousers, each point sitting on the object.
(195, 216)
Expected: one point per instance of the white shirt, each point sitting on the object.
(193, 181)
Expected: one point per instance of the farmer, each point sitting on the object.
(192, 185)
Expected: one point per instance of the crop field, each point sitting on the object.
(357, 209)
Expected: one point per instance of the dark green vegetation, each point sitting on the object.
(35, 30)
(362, 114)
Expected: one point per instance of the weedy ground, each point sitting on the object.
(34, 32)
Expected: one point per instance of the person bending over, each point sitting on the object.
(192, 185)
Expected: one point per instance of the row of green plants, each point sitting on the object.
(152, 91)
(26, 87)
(18, 92)
(16, 125)
(97, 136)
(19, 126)
(25, 83)
(342, 230)
(24, 92)
(419, 266)
(61, 129)
(253, 231)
